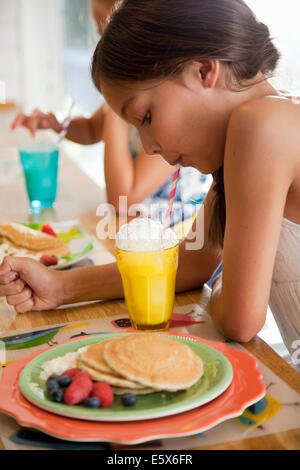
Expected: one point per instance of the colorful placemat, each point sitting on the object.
(278, 411)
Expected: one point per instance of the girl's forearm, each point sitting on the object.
(118, 164)
(229, 322)
(119, 176)
(86, 131)
(81, 132)
(92, 283)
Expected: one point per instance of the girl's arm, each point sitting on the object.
(87, 131)
(136, 179)
(28, 285)
(258, 171)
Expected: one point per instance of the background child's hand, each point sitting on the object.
(37, 120)
(28, 285)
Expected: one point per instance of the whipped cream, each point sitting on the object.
(143, 234)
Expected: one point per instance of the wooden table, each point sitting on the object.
(79, 197)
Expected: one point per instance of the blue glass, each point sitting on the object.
(40, 164)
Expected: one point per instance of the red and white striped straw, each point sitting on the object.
(171, 197)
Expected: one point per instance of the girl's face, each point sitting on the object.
(180, 118)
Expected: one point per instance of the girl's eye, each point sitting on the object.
(147, 118)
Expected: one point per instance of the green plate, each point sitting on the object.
(216, 378)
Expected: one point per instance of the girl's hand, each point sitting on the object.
(28, 285)
(37, 120)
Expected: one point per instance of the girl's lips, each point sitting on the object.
(177, 162)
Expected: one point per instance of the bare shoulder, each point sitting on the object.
(268, 109)
(268, 128)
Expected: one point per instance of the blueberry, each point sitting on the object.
(56, 395)
(53, 377)
(129, 399)
(64, 381)
(52, 385)
(92, 402)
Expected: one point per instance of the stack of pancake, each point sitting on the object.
(142, 363)
(20, 237)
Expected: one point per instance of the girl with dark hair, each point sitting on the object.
(192, 77)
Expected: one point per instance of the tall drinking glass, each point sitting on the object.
(149, 286)
(40, 165)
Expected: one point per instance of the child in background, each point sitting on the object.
(128, 169)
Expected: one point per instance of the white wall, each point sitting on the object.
(41, 53)
(31, 46)
(10, 71)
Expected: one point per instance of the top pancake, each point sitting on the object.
(92, 361)
(20, 236)
(155, 361)
(94, 357)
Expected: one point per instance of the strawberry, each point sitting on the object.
(79, 390)
(72, 372)
(104, 392)
(46, 228)
(48, 260)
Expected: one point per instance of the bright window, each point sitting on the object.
(80, 39)
(282, 18)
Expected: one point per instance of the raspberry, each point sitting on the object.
(104, 392)
(79, 390)
(48, 260)
(46, 228)
(81, 375)
(72, 372)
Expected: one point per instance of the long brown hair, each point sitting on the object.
(151, 39)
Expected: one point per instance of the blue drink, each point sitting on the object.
(40, 164)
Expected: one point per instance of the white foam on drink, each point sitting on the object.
(143, 234)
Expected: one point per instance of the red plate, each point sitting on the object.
(246, 388)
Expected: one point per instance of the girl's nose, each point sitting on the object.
(150, 146)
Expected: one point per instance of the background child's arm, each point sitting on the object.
(85, 131)
(136, 179)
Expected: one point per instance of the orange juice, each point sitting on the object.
(149, 286)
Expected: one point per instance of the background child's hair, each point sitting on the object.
(151, 39)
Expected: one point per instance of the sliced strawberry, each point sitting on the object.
(48, 260)
(46, 228)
